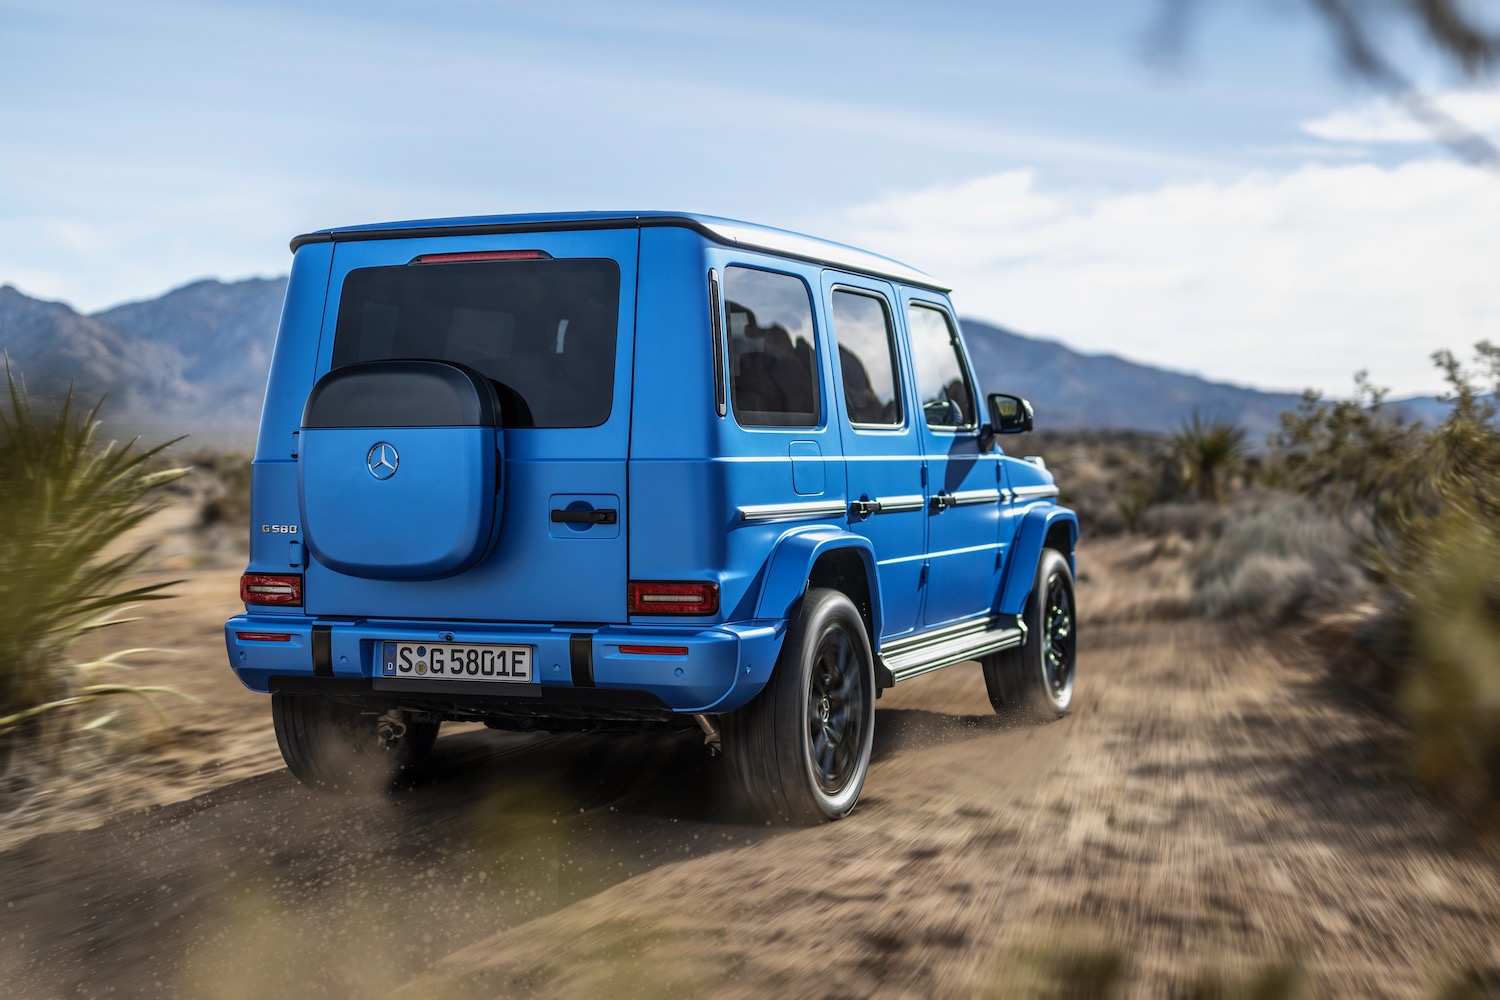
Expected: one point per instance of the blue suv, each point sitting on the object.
(600, 471)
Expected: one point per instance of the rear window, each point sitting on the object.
(542, 330)
(772, 363)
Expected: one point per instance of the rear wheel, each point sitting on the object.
(800, 751)
(336, 747)
(1036, 680)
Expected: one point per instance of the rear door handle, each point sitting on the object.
(942, 501)
(602, 515)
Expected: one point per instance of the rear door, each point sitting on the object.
(548, 319)
(881, 445)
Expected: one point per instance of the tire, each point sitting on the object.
(334, 747)
(1035, 681)
(800, 751)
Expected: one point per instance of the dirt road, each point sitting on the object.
(1210, 809)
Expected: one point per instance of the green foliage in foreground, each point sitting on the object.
(1428, 502)
(65, 502)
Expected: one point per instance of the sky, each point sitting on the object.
(1237, 208)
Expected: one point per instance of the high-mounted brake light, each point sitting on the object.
(271, 588)
(651, 597)
(469, 257)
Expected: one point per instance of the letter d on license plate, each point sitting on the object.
(456, 661)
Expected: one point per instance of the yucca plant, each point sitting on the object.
(1210, 449)
(65, 501)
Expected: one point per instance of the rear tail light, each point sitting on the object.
(469, 257)
(655, 650)
(271, 588)
(648, 597)
(263, 636)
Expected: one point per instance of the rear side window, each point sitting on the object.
(543, 330)
(772, 362)
(946, 398)
(867, 358)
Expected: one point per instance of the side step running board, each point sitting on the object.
(907, 658)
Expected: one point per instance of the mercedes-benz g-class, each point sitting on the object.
(596, 471)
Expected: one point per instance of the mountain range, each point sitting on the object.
(194, 361)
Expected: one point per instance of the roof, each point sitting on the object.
(728, 232)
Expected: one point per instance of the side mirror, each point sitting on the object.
(1009, 414)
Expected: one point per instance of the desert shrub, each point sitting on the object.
(1188, 519)
(1110, 477)
(65, 502)
(1210, 451)
(1450, 692)
(1358, 458)
(1427, 503)
(1271, 557)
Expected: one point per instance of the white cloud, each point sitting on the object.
(1386, 121)
(1278, 280)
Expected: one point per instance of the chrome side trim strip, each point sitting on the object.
(895, 505)
(968, 498)
(1034, 492)
(790, 511)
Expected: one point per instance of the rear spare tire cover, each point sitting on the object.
(398, 469)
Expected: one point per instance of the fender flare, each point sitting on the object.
(791, 563)
(1020, 572)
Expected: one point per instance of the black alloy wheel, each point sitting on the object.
(835, 711)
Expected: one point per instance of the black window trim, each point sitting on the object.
(716, 324)
(894, 342)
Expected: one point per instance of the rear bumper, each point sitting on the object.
(724, 667)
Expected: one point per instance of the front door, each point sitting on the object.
(963, 487)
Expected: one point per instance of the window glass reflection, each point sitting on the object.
(772, 363)
(944, 388)
(867, 358)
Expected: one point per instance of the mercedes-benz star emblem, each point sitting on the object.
(383, 460)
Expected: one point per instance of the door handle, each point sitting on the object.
(942, 501)
(864, 508)
(602, 515)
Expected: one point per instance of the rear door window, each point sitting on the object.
(867, 358)
(543, 330)
(773, 364)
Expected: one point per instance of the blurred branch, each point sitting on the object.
(1455, 35)
(1470, 46)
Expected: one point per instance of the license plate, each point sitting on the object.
(456, 661)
